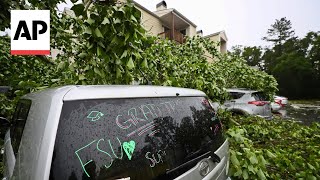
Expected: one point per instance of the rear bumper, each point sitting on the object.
(216, 170)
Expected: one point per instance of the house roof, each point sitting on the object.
(222, 33)
(164, 12)
(145, 9)
(160, 13)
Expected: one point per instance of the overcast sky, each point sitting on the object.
(245, 21)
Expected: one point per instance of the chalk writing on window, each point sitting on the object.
(155, 159)
(128, 147)
(95, 115)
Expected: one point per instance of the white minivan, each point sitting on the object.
(115, 132)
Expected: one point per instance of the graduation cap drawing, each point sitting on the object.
(95, 115)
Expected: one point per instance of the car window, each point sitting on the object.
(18, 123)
(259, 96)
(235, 95)
(143, 138)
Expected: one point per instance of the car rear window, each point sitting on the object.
(235, 95)
(259, 96)
(143, 138)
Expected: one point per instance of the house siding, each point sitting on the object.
(215, 38)
(150, 23)
(191, 31)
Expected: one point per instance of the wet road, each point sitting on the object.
(306, 113)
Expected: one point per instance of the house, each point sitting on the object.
(220, 37)
(170, 23)
(167, 23)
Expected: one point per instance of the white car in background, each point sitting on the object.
(282, 101)
(275, 107)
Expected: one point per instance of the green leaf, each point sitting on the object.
(99, 51)
(98, 33)
(245, 174)
(82, 77)
(250, 168)
(55, 80)
(124, 54)
(263, 161)
(261, 174)
(78, 9)
(271, 155)
(311, 167)
(90, 21)
(101, 44)
(88, 30)
(71, 67)
(105, 21)
(144, 63)
(133, 18)
(83, 54)
(311, 177)
(253, 159)
(118, 72)
(238, 173)
(234, 160)
(127, 36)
(116, 21)
(118, 61)
(97, 71)
(61, 65)
(130, 64)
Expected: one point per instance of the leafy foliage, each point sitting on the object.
(277, 149)
(252, 55)
(24, 74)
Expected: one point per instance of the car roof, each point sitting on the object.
(114, 91)
(241, 90)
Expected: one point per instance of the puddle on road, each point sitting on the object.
(305, 115)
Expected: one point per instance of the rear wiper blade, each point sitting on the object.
(213, 156)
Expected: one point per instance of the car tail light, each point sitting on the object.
(258, 103)
(279, 101)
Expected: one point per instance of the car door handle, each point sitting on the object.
(233, 101)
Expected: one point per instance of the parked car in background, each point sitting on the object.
(248, 102)
(115, 132)
(282, 101)
(275, 107)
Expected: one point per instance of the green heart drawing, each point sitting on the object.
(129, 148)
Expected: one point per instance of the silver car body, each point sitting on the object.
(275, 107)
(283, 101)
(33, 160)
(241, 105)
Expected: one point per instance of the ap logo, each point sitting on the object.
(30, 32)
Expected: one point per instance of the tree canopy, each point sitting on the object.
(293, 61)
